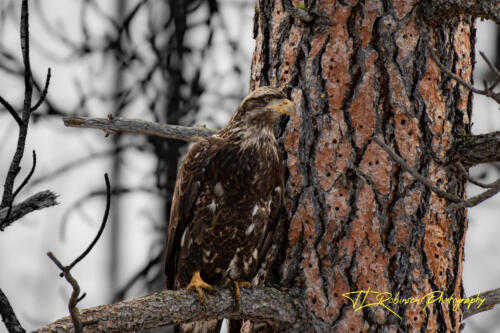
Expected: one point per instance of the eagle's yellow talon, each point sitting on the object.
(236, 287)
(245, 284)
(198, 284)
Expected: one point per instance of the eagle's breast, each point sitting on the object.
(242, 181)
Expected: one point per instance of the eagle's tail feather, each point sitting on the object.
(211, 326)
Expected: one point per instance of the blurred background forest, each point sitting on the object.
(174, 61)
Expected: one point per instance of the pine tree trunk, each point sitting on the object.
(355, 220)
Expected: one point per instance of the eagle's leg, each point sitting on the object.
(236, 289)
(198, 284)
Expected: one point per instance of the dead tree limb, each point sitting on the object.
(472, 150)
(487, 91)
(437, 10)
(8, 316)
(37, 201)
(170, 307)
(492, 298)
(14, 168)
(456, 201)
(113, 125)
(66, 270)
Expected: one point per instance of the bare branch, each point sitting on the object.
(465, 173)
(16, 192)
(66, 270)
(492, 298)
(490, 65)
(103, 224)
(122, 125)
(437, 10)
(11, 110)
(43, 93)
(457, 202)
(26, 180)
(486, 92)
(415, 174)
(170, 307)
(476, 200)
(14, 168)
(75, 295)
(37, 201)
(8, 315)
(476, 149)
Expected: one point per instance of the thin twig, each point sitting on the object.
(26, 180)
(476, 200)
(73, 310)
(457, 202)
(486, 92)
(16, 192)
(415, 173)
(43, 93)
(472, 180)
(12, 111)
(66, 270)
(123, 125)
(490, 65)
(9, 316)
(453, 75)
(101, 229)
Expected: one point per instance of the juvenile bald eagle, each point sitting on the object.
(228, 191)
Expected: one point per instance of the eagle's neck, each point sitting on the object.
(259, 137)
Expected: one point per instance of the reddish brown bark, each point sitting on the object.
(356, 220)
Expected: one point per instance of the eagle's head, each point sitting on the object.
(259, 110)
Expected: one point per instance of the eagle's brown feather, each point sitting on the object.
(228, 191)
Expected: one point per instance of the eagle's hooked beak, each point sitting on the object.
(284, 106)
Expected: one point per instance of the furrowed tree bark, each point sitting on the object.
(357, 221)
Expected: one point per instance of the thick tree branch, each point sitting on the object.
(492, 298)
(437, 10)
(170, 307)
(8, 316)
(471, 150)
(122, 125)
(37, 201)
